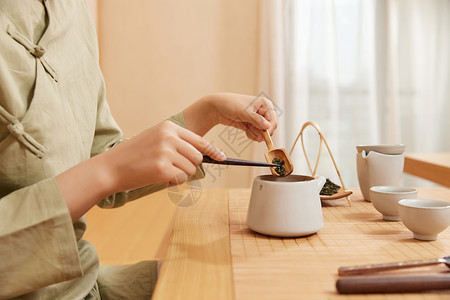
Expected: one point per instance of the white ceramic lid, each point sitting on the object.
(385, 149)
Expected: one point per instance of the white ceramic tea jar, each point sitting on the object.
(285, 206)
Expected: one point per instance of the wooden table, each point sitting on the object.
(430, 166)
(140, 230)
(213, 255)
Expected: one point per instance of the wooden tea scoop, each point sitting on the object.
(279, 153)
(371, 268)
(380, 284)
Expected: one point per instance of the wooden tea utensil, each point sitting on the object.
(372, 268)
(279, 153)
(343, 192)
(237, 162)
(381, 284)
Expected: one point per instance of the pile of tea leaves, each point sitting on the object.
(329, 188)
(279, 169)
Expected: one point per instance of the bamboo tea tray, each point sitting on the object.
(306, 267)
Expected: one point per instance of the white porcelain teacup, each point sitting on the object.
(285, 206)
(385, 199)
(426, 218)
(379, 169)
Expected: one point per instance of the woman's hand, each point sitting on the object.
(249, 113)
(165, 153)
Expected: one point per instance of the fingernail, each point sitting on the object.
(266, 123)
(223, 155)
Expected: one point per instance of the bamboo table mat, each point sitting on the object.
(306, 268)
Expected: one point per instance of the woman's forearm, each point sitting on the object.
(84, 185)
(201, 116)
(165, 153)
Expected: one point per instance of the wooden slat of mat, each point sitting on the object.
(306, 268)
(198, 260)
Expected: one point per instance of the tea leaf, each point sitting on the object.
(329, 188)
(279, 169)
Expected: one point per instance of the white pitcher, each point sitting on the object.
(376, 169)
(285, 206)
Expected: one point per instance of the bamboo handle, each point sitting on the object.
(322, 139)
(371, 268)
(268, 140)
(392, 284)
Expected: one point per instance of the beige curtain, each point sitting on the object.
(367, 72)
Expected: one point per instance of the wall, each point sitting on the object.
(157, 58)
(160, 56)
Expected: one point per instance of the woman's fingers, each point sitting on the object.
(184, 164)
(178, 179)
(254, 133)
(190, 152)
(261, 115)
(185, 154)
(201, 144)
(268, 112)
(258, 121)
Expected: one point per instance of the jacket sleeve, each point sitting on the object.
(122, 198)
(37, 241)
(107, 132)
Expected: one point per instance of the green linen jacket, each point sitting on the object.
(53, 115)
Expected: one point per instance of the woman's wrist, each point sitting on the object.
(85, 184)
(201, 116)
(106, 175)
